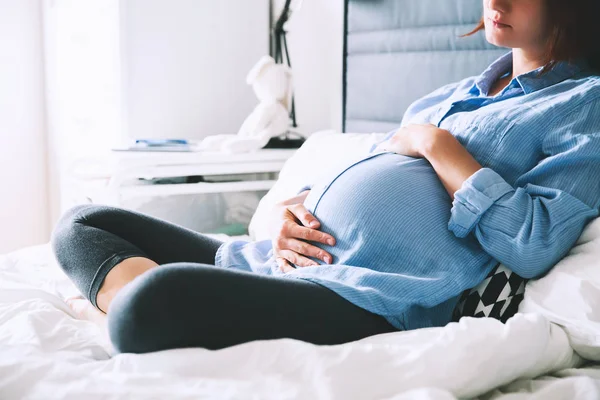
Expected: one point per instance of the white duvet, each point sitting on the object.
(45, 353)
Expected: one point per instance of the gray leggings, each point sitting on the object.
(187, 301)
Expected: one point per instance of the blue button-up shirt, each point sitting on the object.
(405, 250)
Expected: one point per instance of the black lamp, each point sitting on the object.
(278, 49)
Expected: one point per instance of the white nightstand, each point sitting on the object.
(119, 175)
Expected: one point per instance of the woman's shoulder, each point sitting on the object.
(572, 118)
(586, 86)
(561, 102)
(576, 93)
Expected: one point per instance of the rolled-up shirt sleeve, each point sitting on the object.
(530, 227)
(476, 195)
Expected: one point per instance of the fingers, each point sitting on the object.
(297, 258)
(293, 229)
(289, 256)
(305, 217)
(304, 249)
(290, 242)
(313, 235)
(284, 265)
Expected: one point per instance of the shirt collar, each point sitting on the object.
(530, 81)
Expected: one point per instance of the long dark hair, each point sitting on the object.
(575, 32)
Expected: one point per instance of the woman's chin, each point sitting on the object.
(499, 39)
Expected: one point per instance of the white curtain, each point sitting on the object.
(23, 190)
(82, 62)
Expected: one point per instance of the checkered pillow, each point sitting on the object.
(498, 296)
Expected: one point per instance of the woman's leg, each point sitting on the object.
(103, 248)
(195, 305)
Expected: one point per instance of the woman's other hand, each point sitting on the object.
(292, 225)
(412, 140)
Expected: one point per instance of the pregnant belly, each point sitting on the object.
(388, 210)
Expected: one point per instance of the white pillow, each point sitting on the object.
(569, 295)
(322, 151)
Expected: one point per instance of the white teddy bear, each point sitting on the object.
(272, 84)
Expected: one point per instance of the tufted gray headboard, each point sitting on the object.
(396, 51)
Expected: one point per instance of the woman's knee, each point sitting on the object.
(69, 219)
(65, 233)
(71, 226)
(141, 315)
(74, 242)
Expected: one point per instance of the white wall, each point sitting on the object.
(315, 41)
(184, 64)
(165, 43)
(23, 191)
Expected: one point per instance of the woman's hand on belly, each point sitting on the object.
(292, 225)
(451, 161)
(411, 140)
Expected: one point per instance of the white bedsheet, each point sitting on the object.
(45, 353)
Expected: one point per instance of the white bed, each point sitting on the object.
(544, 352)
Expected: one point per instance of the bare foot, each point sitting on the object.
(83, 309)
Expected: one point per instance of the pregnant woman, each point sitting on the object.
(502, 167)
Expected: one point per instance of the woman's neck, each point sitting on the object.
(526, 61)
(523, 62)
